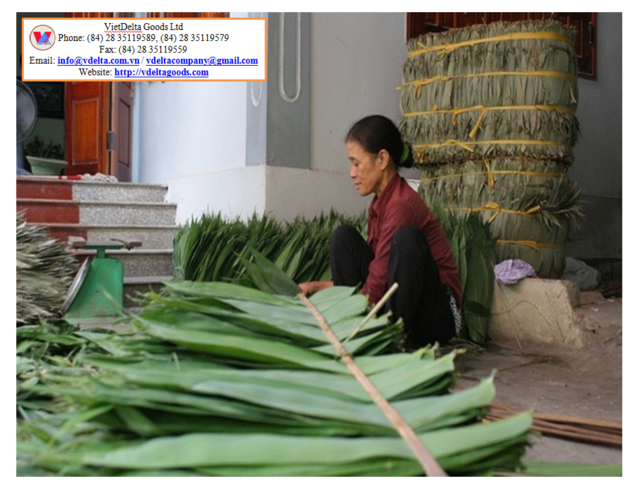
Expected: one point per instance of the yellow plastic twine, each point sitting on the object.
(418, 84)
(490, 176)
(531, 244)
(494, 173)
(483, 109)
(448, 48)
(497, 210)
(422, 148)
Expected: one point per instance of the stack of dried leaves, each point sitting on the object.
(44, 273)
(490, 110)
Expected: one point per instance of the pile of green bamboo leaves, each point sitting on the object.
(44, 272)
(490, 111)
(473, 247)
(219, 379)
(42, 349)
(212, 248)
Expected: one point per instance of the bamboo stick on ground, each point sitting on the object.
(602, 424)
(602, 432)
(572, 433)
(609, 424)
(428, 463)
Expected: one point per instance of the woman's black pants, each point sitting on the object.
(421, 299)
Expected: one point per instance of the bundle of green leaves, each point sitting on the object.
(211, 248)
(218, 379)
(464, 98)
(473, 247)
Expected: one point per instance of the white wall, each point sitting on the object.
(235, 193)
(598, 150)
(192, 136)
(356, 65)
(291, 192)
(190, 128)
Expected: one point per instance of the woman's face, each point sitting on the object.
(367, 170)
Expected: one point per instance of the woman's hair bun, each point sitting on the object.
(406, 158)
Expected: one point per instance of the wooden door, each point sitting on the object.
(120, 126)
(99, 119)
(120, 130)
(86, 121)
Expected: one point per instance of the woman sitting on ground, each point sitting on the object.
(406, 243)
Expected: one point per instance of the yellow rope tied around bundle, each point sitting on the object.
(497, 210)
(466, 145)
(483, 109)
(491, 173)
(418, 84)
(448, 48)
(531, 244)
(422, 148)
(490, 176)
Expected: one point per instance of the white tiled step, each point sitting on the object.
(140, 262)
(118, 192)
(110, 213)
(152, 237)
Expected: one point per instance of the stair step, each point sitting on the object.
(27, 188)
(138, 262)
(107, 214)
(63, 231)
(152, 237)
(49, 211)
(119, 192)
(48, 187)
(100, 211)
(97, 213)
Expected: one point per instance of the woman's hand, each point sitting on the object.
(311, 287)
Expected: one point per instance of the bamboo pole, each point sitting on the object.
(604, 424)
(571, 433)
(569, 419)
(581, 429)
(428, 463)
(372, 312)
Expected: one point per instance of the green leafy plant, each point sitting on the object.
(473, 248)
(211, 248)
(38, 148)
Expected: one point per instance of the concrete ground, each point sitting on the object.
(584, 382)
